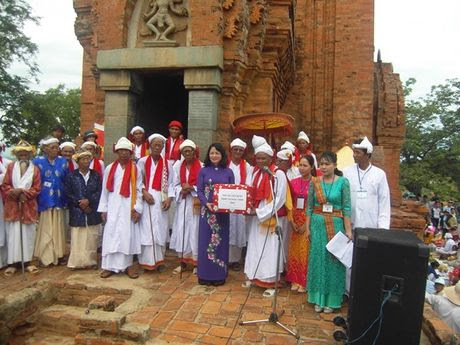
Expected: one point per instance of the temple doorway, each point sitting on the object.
(163, 99)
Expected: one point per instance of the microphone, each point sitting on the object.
(268, 171)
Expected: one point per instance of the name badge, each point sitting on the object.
(327, 208)
(300, 203)
(47, 184)
(361, 194)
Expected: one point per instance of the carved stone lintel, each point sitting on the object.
(156, 43)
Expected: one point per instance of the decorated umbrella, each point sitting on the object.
(264, 124)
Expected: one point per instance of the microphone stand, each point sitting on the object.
(274, 315)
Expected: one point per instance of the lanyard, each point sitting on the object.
(359, 176)
(324, 187)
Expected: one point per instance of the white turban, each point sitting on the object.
(156, 136)
(187, 143)
(51, 140)
(137, 128)
(67, 144)
(258, 141)
(124, 144)
(89, 143)
(285, 155)
(265, 148)
(364, 145)
(288, 146)
(303, 136)
(238, 142)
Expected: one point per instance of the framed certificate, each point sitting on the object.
(232, 198)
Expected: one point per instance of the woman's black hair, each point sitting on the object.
(219, 147)
(311, 161)
(332, 158)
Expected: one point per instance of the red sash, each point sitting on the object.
(243, 173)
(175, 153)
(125, 184)
(193, 175)
(97, 167)
(261, 190)
(158, 177)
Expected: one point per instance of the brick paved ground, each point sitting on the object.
(183, 312)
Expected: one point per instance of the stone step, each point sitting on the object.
(70, 320)
(49, 339)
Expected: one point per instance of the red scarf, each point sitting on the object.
(97, 167)
(71, 165)
(144, 149)
(193, 175)
(262, 191)
(242, 167)
(158, 177)
(175, 154)
(125, 184)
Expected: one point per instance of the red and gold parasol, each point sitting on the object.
(265, 124)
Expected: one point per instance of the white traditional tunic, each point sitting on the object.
(266, 273)
(13, 229)
(154, 221)
(238, 228)
(447, 311)
(3, 241)
(121, 239)
(370, 197)
(292, 173)
(191, 221)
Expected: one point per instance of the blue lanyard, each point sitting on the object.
(359, 176)
(324, 187)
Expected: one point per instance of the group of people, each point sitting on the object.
(158, 184)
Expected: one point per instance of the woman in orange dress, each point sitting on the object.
(299, 245)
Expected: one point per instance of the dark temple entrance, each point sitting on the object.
(164, 99)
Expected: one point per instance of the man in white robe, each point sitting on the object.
(156, 193)
(292, 171)
(370, 194)
(184, 238)
(3, 164)
(241, 170)
(261, 224)
(121, 208)
(21, 185)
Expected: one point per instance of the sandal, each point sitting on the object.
(295, 287)
(106, 274)
(132, 272)
(195, 270)
(247, 284)
(32, 269)
(9, 272)
(328, 310)
(177, 270)
(301, 290)
(236, 266)
(269, 293)
(318, 309)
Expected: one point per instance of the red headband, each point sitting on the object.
(175, 124)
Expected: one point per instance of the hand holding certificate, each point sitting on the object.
(232, 198)
(342, 248)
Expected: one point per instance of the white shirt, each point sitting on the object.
(370, 197)
(447, 311)
(85, 177)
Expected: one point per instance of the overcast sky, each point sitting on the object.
(420, 38)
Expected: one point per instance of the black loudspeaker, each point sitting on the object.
(384, 260)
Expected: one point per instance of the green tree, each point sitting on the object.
(35, 115)
(430, 157)
(15, 47)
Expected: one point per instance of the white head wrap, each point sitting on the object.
(124, 144)
(288, 146)
(285, 155)
(50, 140)
(89, 143)
(187, 143)
(303, 136)
(265, 148)
(440, 280)
(364, 145)
(238, 142)
(67, 144)
(258, 141)
(137, 128)
(448, 236)
(156, 136)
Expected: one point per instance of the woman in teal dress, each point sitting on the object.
(328, 212)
